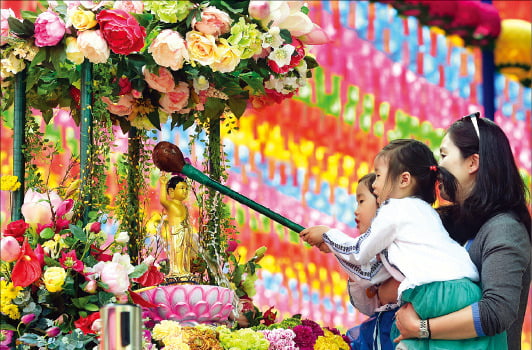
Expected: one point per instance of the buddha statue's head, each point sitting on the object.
(177, 188)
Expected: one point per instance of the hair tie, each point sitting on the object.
(433, 168)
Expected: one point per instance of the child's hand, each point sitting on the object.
(314, 235)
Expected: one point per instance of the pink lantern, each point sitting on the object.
(467, 18)
(490, 26)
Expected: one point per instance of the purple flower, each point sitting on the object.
(28, 318)
(53, 332)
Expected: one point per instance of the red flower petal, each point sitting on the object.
(27, 269)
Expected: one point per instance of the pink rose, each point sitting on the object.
(93, 46)
(175, 100)
(163, 82)
(49, 29)
(4, 26)
(129, 6)
(37, 208)
(213, 21)
(169, 49)
(123, 107)
(121, 30)
(115, 276)
(9, 249)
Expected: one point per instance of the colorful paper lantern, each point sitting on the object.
(410, 7)
(513, 54)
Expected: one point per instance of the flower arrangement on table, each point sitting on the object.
(190, 61)
(56, 274)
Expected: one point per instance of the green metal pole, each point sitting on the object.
(85, 136)
(19, 125)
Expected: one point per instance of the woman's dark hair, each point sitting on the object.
(368, 180)
(416, 158)
(172, 183)
(499, 187)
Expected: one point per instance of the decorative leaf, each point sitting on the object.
(153, 117)
(144, 19)
(287, 37)
(311, 62)
(138, 271)
(92, 307)
(24, 29)
(238, 106)
(214, 107)
(39, 57)
(78, 233)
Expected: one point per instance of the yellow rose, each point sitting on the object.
(54, 278)
(72, 51)
(83, 20)
(228, 57)
(201, 47)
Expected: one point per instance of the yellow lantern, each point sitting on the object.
(513, 53)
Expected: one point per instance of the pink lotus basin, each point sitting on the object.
(190, 304)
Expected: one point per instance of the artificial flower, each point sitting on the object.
(213, 22)
(228, 57)
(152, 277)
(114, 275)
(54, 278)
(281, 56)
(83, 20)
(121, 30)
(27, 269)
(6, 337)
(28, 318)
(16, 229)
(246, 37)
(297, 23)
(49, 29)
(123, 107)
(317, 36)
(129, 6)
(163, 81)
(93, 46)
(175, 100)
(201, 47)
(169, 49)
(73, 52)
(39, 207)
(70, 261)
(4, 26)
(9, 183)
(9, 249)
(53, 332)
(85, 323)
(170, 11)
(12, 64)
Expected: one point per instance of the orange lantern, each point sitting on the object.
(513, 54)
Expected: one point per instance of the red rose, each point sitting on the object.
(85, 323)
(121, 30)
(16, 229)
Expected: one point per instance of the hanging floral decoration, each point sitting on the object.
(187, 61)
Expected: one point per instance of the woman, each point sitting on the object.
(492, 219)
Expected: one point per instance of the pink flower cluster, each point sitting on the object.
(280, 339)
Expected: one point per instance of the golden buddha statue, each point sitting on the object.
(176, 232)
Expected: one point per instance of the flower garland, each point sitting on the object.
(186, 61)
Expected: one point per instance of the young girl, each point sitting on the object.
(375, 331)
(436, 273)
